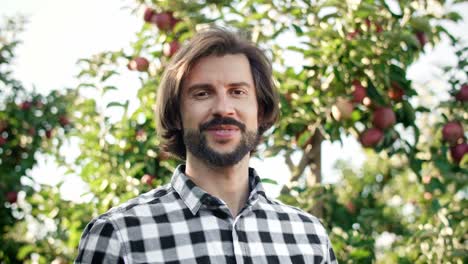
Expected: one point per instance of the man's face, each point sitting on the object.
(219, 110)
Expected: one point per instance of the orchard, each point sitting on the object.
(350, 78)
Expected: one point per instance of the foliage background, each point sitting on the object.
(410, 190)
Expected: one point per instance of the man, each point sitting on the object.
(215, 100)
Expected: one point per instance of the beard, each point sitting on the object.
(196, 143)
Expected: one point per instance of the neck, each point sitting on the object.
(227, 183)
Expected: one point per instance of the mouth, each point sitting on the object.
(223, 131)
(225, 128)
(222, 125)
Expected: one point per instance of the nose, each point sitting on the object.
(223, 105)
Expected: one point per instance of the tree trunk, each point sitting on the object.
(315, 175)
(312, 159)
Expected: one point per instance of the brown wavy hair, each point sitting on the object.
(218, 42)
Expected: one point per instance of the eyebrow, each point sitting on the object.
(209, 86)
(239, 84)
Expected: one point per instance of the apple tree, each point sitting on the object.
(30, 123)
(348, 77)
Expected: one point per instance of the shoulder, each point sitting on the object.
(294, 214)
(105, 237)
(152, 199)
(146, 204)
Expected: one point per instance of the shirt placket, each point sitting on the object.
(240, 248)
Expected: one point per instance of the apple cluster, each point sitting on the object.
(368, 25)
(462, 94)
(6, 131)
(383, 117)
(375, 27)
(13, 150)
(453, 134)
(164, 21)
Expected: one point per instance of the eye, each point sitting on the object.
(239, 92)
(201, 94)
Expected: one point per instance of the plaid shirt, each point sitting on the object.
(181, 223)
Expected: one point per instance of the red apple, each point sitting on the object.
(452, 132)
(458, 151)
(350, 207)
(147, 179)
(64, 121)
(288, 96)
(140, 135)
(426, 179)
(378, 28)
(26, 105)
(383, 118)
(396, 92)
(139, 64)
(359, 92)
(422, 38)
(174, 21)
(32, 131)
(427, 195)
(149, 13)
(462, 95)
(12, 197)
(48, 133)
(371, 137)
(164, 21)
(352, 35)
(3, 140)
(342, 109)
(368, 23)
(39, 104)
(3, 125)
(171, 48)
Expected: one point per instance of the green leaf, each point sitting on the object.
(360, 253)
(298, 29)
(107, 75)
(25, 251)
(268, 180)
(454, 16)
(113, 104)
(422, 109)
(443, 165)
(87, 85)
(409, 115)
(304, 137)
(337, 74)
(421, 24)
(415, 164)
(435, 205)
(109, 88)
(373, 94)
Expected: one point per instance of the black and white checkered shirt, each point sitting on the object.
(181, 223)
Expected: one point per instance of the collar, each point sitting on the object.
(194, 197)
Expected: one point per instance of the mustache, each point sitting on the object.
(222, 121)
